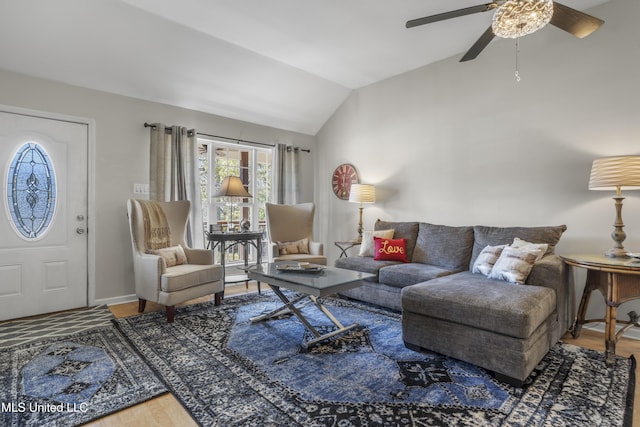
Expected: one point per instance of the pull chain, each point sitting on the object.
(517, 59)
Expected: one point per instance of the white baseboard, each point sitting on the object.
(633, 333)
(117, 300)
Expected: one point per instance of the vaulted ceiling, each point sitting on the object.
(282, 63)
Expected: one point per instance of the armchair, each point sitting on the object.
(290, 232)
(156, 278)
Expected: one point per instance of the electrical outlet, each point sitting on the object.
(140, 188)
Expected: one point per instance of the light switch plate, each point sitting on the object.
(140, 188)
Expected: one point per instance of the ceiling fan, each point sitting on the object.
(517, 18)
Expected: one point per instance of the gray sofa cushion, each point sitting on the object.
(493, 236)
(364, 264)
(403, 275)
(472, 299)
(407, 230)
(444, 246)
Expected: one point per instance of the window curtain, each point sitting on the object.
(287, 174)
(174, 174)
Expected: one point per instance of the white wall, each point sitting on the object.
(122, 158)
(464, 143)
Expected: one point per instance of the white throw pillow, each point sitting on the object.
(487, 258)
(514, 265)
(518, 243)
(368, 247)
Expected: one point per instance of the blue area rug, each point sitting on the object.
(227, 371)
(73, 379)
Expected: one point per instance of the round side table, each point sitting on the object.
(618, 280)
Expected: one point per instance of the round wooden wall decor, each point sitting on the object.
(342, 178)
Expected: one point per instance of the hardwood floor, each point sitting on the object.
(166, 411)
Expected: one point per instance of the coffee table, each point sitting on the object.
(311, 283)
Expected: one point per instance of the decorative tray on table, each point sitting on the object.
(300, 267)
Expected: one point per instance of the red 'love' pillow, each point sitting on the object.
(390, 249)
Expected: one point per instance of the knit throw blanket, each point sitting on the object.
(156, 228)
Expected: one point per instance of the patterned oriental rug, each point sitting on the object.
(71, 379)
(227, 371)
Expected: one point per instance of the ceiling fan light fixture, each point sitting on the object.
(517, 18)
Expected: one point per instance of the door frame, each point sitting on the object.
(91, 159)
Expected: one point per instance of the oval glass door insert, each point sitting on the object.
(31, 191)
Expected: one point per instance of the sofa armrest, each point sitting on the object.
(316, 248)
(552, 272)
(199, 256)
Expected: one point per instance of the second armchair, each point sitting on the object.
(290, 234)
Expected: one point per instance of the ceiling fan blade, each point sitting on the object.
(573, 21)
(479, 45)
(453, 14)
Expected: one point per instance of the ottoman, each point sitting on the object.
(502, 327)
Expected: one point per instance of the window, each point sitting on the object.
(31, 191)
(253, 165)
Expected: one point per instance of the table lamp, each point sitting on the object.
(230, 189)
(362, 193)
(616, 173)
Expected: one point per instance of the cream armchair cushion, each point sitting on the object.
(288, 224)
(171, 285)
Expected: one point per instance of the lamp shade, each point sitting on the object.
(362, 193)
(613, 173)
(232, 187)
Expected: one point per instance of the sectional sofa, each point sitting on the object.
(454, 303)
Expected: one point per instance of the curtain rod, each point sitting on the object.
(236, 140)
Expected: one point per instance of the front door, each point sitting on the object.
(43, 215)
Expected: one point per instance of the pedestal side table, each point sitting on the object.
(618, 280)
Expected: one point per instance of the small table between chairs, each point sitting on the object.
(225, 241)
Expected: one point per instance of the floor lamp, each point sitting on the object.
(362, 193)
(616, 173)
(231, 188)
